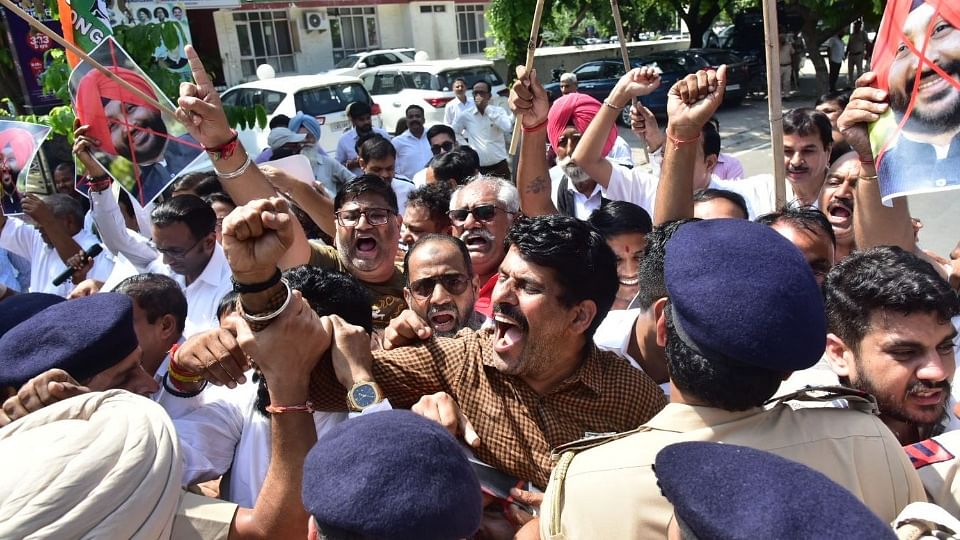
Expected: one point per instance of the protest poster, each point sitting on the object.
(917, 61)
(142, 147)
(19, 143)
(31, 53)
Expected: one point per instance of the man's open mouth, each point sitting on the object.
(443, 321)
(476, 241)
(366, 246)
(629, 281)
(840, 213)
(933, 396)
(508, 333)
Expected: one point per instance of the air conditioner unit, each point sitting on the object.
(315, 20)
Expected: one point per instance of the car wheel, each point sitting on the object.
(624, 117)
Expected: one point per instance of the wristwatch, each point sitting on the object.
(364, 394)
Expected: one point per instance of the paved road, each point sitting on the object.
(745, 132)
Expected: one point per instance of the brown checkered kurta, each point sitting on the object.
(517, 427)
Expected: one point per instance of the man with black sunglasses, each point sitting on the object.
(442, 140)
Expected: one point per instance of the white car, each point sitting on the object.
(429, 85)
(325, 97)
(355, 63)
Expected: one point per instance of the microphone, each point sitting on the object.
(91, 252)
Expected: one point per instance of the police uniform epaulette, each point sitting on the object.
(589, 441)
(855, 399)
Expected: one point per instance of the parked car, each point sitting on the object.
(325, 97)
(355, 63)
(428, 84)
(597, 79)
(692, 60)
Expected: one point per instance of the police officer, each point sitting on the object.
(729, 342)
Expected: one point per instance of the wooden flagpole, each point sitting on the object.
(531, 50)
(626, 64)
(84, 56)
(775, 107)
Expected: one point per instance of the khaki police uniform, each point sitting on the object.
(937, 464)
(606, 487)
(202, 518)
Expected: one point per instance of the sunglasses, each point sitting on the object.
(483, 212)
(442, 147)
(453, 283)
(375, 216)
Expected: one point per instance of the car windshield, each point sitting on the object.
(329, 99)
(717, 58)
(666, 65)
(251, 97)
(348, 61)
(471, 75)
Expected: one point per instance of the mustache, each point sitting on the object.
(845, 202)
(514, 313)
(436, 309)
(951, 67)
(483, 233)
(924, 386)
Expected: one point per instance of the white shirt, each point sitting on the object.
(420, 179)
(347, 143)
(621, 152)
(453, 108)
(837, 49)
(413, 153)
(640, 187)
(402, 187)
(486, 132)
(583, 205)
(203, 295)
(228, 433)
(614, 335)
(45, 264)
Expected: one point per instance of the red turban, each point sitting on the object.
(94, 88)
(22, 143)
(580, 108)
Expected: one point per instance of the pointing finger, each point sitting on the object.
(200, 75)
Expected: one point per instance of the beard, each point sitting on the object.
(538, 351)
(921, 120)
(574, 172)
(155, 146)
(895, 408)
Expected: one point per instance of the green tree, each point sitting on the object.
(699, 16)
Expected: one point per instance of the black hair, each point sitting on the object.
(733, 197)
(160, 9)
(198, 183)
(883, 278)
(285, 151)
(841, 97)
(460, 79)
(219, 197)
(357, 109)
(653, 285)
(716, 382)
(457, 165)
(435, 198)
(482, 81)
(805, 217)
(66, 165)
(427, 238)
(189, 210)
(620, 217)
(805, 121)
(437, 129)
(366, 183)
(711, 140)
(376, 147)
(142, 11)
(401, 125)
(64, 206)
(157, 295)
(227, 304)
(584, 264)
(419, 108)
(329, 292)
(280, 120)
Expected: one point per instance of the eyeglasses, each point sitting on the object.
(483, 212)
(375, 216)
(175, 253)
(453, 283)
(442, 147)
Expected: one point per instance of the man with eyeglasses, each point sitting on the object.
(441, 291)
(481, 213)
(366, 243)
(184, 247)
(486, 127)
(442, 140)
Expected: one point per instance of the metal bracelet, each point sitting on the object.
(237, 173)
(269, 316)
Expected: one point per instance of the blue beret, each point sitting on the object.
(726, 492)
(82, 337)
(20, 307)
(741, 292)
(395, 475)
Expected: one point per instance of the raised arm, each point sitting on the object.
(874, 224)
(690, 104)
(59, 237)
(589, 152)
(530, 103)
(315, 202)
(201, 112)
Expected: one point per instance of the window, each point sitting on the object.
(264, 38)
(251, 97)
(589, 72)
(471, 75)
(325, 100)
(387, 82)
(353, 30)
(471, 29)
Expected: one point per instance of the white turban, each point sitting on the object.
(99, 465)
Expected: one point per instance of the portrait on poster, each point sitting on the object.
(19, 144)
(142, 147)
(916, 58)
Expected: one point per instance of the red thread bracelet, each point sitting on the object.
(280, 409)
(537, 127)
(677, 142)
